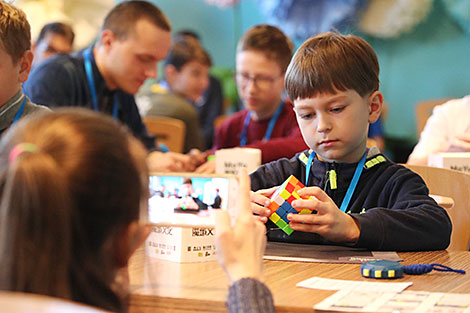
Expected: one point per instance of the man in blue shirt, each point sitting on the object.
(135, 35)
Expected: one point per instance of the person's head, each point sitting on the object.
(333, 81)
(187, 68)
(15, 50)
(53, 38)
(188, 33)
(71, 185)
(187, 187)
(263, 54)
(135, 35)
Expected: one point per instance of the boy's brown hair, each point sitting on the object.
(57, 28)
(185, 50)
(123, 17)
(270, 41)
(330, 62)
(15, 32)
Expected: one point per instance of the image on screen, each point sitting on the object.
(177, 199)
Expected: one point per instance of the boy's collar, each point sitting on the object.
(372, 151)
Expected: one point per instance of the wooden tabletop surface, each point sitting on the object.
(164, 286)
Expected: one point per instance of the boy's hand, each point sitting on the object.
(329, 222)
(169, 162)
(260, 201)
(197, 157)
(207, 168)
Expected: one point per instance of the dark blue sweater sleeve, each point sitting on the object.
(409, 219)
(50, 84)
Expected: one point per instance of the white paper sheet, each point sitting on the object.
(388, 302)
(338, 284)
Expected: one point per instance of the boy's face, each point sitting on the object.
(260, 83)
(50, 45)
(12, 75)
(130, 61)
(190, 81)
(335, 125)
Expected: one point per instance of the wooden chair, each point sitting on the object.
(455, 185)
(168, 131)
(17, 302)
(423, 110)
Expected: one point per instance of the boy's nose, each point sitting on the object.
(151, 72)
(250, 86)
(323, 125)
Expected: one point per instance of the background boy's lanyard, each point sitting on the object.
(352, 185)
(269, 130)
(20, 111)
(91, 83)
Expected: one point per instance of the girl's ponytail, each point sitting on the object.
(35, 224)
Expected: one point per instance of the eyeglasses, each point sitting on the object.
(262, 82)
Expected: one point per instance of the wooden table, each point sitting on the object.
(164, 286)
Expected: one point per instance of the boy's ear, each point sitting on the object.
(170, 73)
(25, 66)
(376, 100)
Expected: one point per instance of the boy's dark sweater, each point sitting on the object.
(397, 212)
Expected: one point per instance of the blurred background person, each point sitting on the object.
(211, 104)
(186, 69)
(54, 38)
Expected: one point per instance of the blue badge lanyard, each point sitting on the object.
(20, 112)
(352, 185)
(269, 130)
(91, 83)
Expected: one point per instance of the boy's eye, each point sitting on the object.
(337, 109)
(306, 116)
(143, 59)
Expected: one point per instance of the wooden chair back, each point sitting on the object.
(423, 110)
(17, 302)
(455, 185)
(168, 131)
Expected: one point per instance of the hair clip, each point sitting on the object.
(19, 149)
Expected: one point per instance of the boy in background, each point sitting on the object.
(211, 104)
(360, 198)
(54, 38)
(15, 64)
(186, 70)
(268, 121)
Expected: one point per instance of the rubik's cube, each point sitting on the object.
(281, 205)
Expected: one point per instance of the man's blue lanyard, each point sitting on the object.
(352, 185)
(91, 83)
(269, 130)
(20, 111)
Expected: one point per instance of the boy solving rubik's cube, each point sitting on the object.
(281, 203)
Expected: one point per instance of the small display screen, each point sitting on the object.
(187, 199)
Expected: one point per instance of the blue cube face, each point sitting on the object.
(292, 210)
(283, 215)
(286, 206)
(281, 210)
